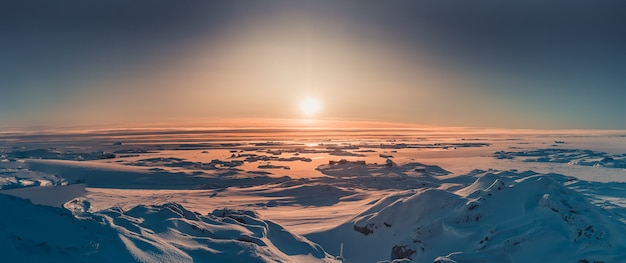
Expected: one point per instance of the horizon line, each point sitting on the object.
(270, 125)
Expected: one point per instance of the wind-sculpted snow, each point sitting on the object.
(162, 233)
(609, 196)
(382, 176)
(314, 194)
(386, 197)
(388, 170)
(501, 217)
(570, 156)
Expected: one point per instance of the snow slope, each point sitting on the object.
(391, 199)
(501, 217)
(161, 233)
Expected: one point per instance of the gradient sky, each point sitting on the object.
(536, 64)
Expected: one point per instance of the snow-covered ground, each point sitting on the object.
(287, 196)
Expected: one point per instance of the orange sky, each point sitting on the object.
(117, 63)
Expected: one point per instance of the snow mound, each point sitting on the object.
(388, 170)
(314, 194)
(162, 233)
(495, 219)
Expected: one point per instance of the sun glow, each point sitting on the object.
(311, 106)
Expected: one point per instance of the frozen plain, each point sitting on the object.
(271, 195)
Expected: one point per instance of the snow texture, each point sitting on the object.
(159, 233)
(500, 217)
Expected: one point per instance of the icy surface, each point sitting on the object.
(300, 196)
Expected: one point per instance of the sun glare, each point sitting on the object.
(310, 106)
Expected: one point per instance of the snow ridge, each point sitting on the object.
(145, 233)
(495, 219)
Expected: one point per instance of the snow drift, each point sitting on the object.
(163, 233)
(498, 218)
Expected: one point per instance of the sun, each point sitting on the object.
(311, 106)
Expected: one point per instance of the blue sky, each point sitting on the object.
(536, 64)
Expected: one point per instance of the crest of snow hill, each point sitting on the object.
(163, 233)
(482, 217)
(503, 217)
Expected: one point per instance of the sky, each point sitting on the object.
(505, 64)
